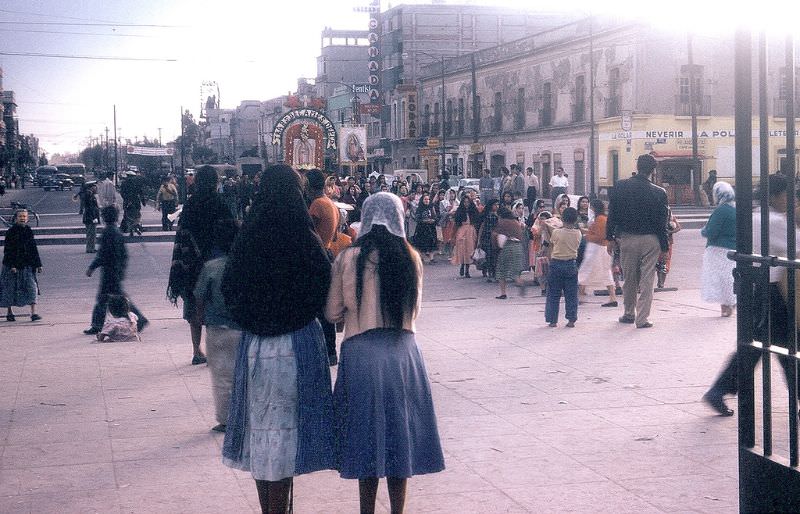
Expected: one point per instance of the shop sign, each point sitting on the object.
(411, 116)
(476, 148)
(374, 53)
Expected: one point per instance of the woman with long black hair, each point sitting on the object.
(466, 235)
(280, 422)
(386, 426)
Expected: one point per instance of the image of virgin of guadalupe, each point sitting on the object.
(355, 150)
(304, 150)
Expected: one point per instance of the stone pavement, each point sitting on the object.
(599, 418)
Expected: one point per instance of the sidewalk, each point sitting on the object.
(600, 418)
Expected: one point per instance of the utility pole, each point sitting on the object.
(116, 151)
(159, 136)
(105, 161)
(592, 192)
(476, 122)
(183, 161)
(695, 176)
(444, 133)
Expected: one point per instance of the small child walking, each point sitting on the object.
(120, 324)
(563, 273)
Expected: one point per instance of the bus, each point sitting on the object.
(77, 172)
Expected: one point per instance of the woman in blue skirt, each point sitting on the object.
(280, 421)
(386, 426)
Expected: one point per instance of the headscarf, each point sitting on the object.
(383, 209)
(723, 193)
(278, 274)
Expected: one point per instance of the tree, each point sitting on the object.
(204, 155)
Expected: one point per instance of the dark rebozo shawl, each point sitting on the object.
(20, 249)
(193, 241)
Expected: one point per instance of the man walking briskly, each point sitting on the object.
(559, 184)
(113, 259)
(637, 226)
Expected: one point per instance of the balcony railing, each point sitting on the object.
(702, 106)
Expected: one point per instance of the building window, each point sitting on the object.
(613, 102)
(780, 102)
(683, 104)
(519, 119)
(498, 112)
(460, 119)
(435, 126)
(579, 109)
(547, 104)
(448, 122)
(426, 121)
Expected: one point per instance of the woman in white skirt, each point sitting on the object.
(280, 420)
(716, 281)
(595, 268)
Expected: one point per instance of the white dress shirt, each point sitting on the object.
(557, 181)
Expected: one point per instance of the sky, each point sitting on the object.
(150, 57)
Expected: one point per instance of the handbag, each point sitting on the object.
(478, 255)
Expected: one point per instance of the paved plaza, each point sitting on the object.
(600, 418)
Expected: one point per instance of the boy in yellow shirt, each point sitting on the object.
(563, 274)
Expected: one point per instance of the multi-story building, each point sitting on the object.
(246, 126)
(342, 60)
(2, 115)
(218, 132)
(533, 97)
(416, 35)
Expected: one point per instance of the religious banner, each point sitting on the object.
(353, 147)
(305, 135)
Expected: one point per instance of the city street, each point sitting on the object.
(600, 418)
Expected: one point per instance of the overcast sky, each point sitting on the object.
(254, 49)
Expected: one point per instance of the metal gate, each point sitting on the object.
(769, 478)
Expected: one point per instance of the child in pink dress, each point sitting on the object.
(120, 324)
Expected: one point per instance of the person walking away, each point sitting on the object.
(21, 262)
(531, 188)
(222, 332)
(386, 424)
(464, 240)
(91, 216)
(559, 184)
(193, 244)
(325, 217)
(121, 323)
(665, 259)
(507, 239)
(716, 277)
(637, 225)
(770, 317)
(425, 237)
(280, 421)
(166, 202)
(486, 187)
(113, 259)
(595, 270)
(106, 192)
(133, 199)
(563, 274)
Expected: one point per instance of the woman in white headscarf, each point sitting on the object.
(720, 232)
(386, 426)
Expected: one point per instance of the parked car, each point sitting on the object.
(59, 181)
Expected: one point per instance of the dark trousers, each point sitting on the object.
(167, 208)
(556, 192)
(726, 382)
(530, 197)
(490, 266)
(91, 236)
(110, 287)
(562, 278)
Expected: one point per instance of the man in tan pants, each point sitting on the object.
(637, 225)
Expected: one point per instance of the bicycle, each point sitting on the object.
(8, 221)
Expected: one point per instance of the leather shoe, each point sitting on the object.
(716, 402)
(91, 331)
(646, 324)
(627, 319)
(610, 304)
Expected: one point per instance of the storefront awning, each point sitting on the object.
(678, 154)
